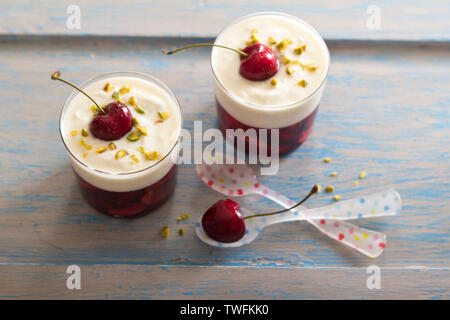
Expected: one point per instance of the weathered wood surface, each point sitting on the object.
(400, 20)
(385, 110)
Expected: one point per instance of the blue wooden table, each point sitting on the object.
(385, 110)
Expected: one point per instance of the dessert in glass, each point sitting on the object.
(124, 148)
(288, 98)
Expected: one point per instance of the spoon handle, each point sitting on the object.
(368, 242)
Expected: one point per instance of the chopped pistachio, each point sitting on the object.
(355, 183)
(179, 219)
(139, 109)
(84, 133)
(153, 155)
(271, 41)
(89, 147)
(164, 115)
(288, 41)
(140, 149)
(84, 155)
(290, 70)
(94, 109)
(135, 159)
(125, 89)
(336, 198)
(112, 146)
(165, 232)
(181, 231)
(132, 101)
(115, 95)
(101, 149)
(74, 133)
(107, 87)
(333, 174)
(254, 38)
(135, 121)
(302, 83)
(134, 136)
(285, 60)
(142, 130)
(329, 189)
(121, 154)
(327, 159)
(281, 45)
(273, 82)
(82, 142)
(185, 216)
(362, 174)
(300, 49)
(310, 66)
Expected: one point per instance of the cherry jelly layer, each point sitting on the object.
(289, 138)
(132, 203)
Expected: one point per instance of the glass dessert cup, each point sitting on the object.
(293, 121)
(130, 194)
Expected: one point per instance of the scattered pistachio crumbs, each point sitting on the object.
(300, 49)
(125, 89)
(311, 66)
(107, 87)
(302, 83)
(132, 101)
(179, 219)
(329, 189)
(271, 41)
(164, 115)
(74, 133)
(165, 232)
(115, 95)
(84, 133)
(290, 70)
(333, 174)
(142, 130)
(327, 159)
(135, 121)
(135, 159)
(139, 109)
(337, 198)
(152, 155)
(185, 216)
(101, 149)
(112, 146)
(281, 45)
(285, 60)
(362, 174)
(355, 183)
(273, 82)
(253, 38)
(121, 154)
(134, 136)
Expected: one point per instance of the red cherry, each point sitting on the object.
(260, 64)
(223, 221)
(114, 123)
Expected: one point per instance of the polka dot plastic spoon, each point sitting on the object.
(240, 180)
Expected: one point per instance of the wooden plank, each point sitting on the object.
(400, 20)
(162, 282)
(385, 111)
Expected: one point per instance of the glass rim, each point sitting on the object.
(112, 74)
(278, 107)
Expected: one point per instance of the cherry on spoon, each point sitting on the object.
(258, 61)
(111, 122)
(224, 223)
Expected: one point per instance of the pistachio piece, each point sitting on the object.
(285, 60)
(85, 155)
(337, 198)
(288, 41)
(134, 136)
(181, 231)
(310, 66)
(132, 101)
(125, 89)
(82, 142)
(329, 189)
(333, 174)
(135, 121)
(281, 45)
(253, 37)
(141, 149)
(94, 109)
(112, 146)
(300, 49)
(73, 133)
(165, 232)
(302, 83)
(179, 219)
(139, 109)
(327, 159)
(290, 70)
(362, 174)
(84, 132)
(142, 130)
(107, 87)
(164, 115)
(88, 147)
(154, 155)
(185, 216)
(115, 95)
(101, 149)
(135, 159)
(121, 154)
(273, 82)
(271, 41)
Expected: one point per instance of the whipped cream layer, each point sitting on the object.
(133, 171)
(259, 103)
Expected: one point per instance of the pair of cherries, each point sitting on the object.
(258, 63)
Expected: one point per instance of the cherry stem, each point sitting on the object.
(314, 190)
(204, 45)
(56, 76)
